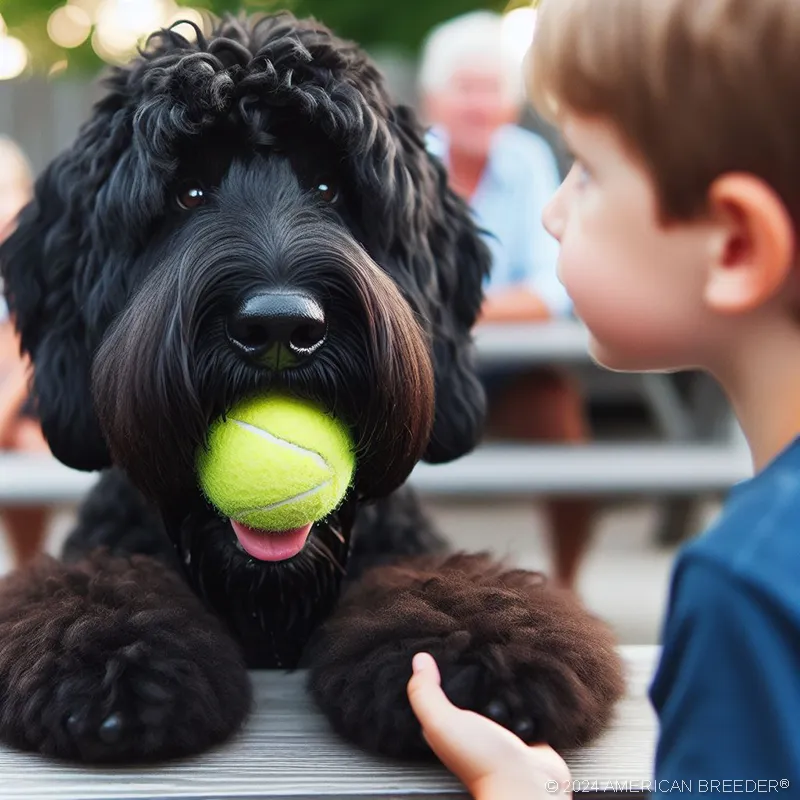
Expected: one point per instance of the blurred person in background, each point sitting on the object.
(25, 526)
(472, 96)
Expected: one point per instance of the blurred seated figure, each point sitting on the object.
(472, 95)
(25, 526)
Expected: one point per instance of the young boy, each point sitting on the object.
(678, 228)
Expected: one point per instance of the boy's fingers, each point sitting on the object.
(429, 702)
(475, 749)
(425, 662)
(465, 743)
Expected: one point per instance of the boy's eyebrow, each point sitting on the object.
(576, 151)
(568, 141)
(572, 151)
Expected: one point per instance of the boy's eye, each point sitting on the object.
(583, 174)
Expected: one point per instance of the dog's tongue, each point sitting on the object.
(271, 545)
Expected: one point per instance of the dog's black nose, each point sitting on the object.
(277, 329)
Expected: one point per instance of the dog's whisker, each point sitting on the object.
(336, 531)
(325, 551)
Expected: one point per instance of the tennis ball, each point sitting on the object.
(276, 463)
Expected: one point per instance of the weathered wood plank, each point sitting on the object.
(287, 751)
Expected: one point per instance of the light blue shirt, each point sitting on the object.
(519, 179)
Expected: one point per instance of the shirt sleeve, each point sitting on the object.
(727, 691)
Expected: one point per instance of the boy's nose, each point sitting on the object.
(553, 215)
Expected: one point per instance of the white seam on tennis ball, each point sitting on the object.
(283, 443)
(273, 506)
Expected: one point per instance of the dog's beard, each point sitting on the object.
(271, 608)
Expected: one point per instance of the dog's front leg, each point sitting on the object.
(507, 646)
(114, 660)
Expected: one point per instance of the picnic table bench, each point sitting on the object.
(678, 465)
(492, 471)
(287, 751)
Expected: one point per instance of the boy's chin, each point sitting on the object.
(627, 358)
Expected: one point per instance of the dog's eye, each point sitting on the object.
(327, 191)
(190, 196)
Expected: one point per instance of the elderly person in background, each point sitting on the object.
(472, 95)
(25, 526)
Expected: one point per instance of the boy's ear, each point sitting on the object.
(755, 250)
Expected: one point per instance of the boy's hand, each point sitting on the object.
(490, 761)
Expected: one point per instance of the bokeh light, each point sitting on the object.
(88, 6)
(58, 68)
(13, 58)
(187, 15)
(518, 28)
(69, 26)
(120, 25)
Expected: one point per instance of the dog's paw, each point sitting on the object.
(507, 646)
(114, 660)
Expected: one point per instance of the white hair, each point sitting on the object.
(476, 39)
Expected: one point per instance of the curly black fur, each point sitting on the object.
(261, 104)
(123, 293)
(113, 660)
(506, 644)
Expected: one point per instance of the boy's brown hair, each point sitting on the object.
(697, 88)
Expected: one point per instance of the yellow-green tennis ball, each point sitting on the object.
(276, 463)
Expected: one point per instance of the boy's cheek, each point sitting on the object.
(578, 276)
(594, 305)
(619, 337)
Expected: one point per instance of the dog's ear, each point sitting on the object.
(451, 262)
(53, 266)
(70, 265)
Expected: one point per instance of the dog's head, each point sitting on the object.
(246, 212)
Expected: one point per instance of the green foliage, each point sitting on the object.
(399, 22)
(373, 23)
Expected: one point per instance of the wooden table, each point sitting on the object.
(287, 751)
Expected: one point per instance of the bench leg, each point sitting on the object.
(26, 530)
(547, 406)
(677, 521)
(570, 536)
(26, 526)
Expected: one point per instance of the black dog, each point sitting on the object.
(246, 213)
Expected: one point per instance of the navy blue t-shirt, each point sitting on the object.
(727, 690)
